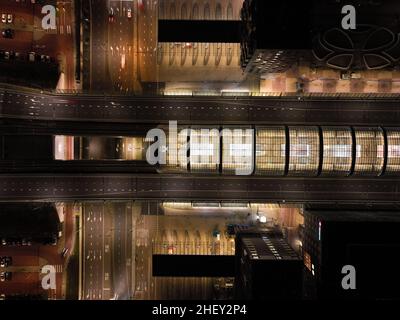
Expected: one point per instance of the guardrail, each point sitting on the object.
(226, 94)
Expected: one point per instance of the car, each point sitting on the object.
(4, 18)
(7, 33)
(2, 296)
(141, 5)
(129, 13)
(31, 56)
(5, 262)
(5, 276)
(111, 15)
(171, 249)
(10, 18)
(7, 55)
(4, 241)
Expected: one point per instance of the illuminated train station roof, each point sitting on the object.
(296, 151)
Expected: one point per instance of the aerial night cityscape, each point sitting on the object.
(221, 151)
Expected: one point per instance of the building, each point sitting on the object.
(366, 240)
(277, 35)
(266, 267)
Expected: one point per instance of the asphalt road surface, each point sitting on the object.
(63, 187)
(196, 110)
(122, 251)
(93, 251)
(107, 250)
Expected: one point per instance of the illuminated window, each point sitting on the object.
(237, 151)
(204, 150)
(270, 150)
(393, 161)
(176, 151)
(338, 145)
(369, 147)
(307, 260)
(304, 151)
(133, 149)
(64, 148)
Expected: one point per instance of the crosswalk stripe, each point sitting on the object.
(59, 268)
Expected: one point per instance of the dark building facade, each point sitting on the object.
(366, 240)
(266, 267)
(275, 37)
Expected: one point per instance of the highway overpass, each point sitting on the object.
(35, 187)
(198, 109)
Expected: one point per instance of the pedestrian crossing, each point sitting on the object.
(59, 268)
(62, 29)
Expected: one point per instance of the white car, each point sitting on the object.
(31, 56)
(3, 18)
(129, 13)
(10, 18)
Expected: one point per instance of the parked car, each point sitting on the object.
(31, 56)
(5, 276)
(10, 18)
(7, 33)
(4, 18)
(5, 262)
(111, 15)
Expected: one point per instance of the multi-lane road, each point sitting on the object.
(93, 252)
(155, 187)
(209, 110)
(107, 251)
(122, 250)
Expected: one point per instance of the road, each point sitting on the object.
(120, 48)
(170, 187)
(93, 251)
(111, 45)
(107, 250)
(122, 250)
(196, 110)
(99, 72)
